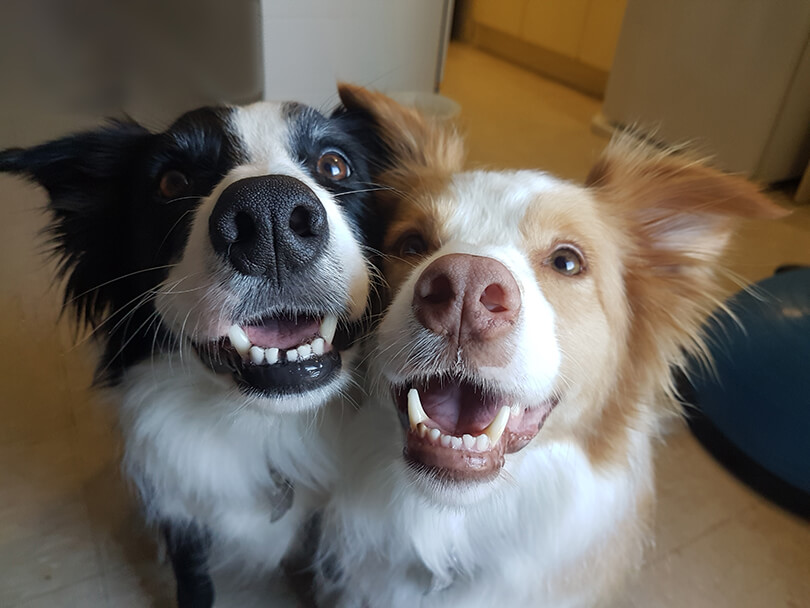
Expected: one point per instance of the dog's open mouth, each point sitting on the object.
(277, 355)
(460, 431)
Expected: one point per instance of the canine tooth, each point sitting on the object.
(416, 414)
(318, 346)
(434, 434)
(239, 339)
(304, 351)
(497, 426)
(256, 354)
(421, 429)
(328, 327)
(455, 442)
(482, 443)
(469, 440)
(271, 354)
(445, 441)
(292, 355)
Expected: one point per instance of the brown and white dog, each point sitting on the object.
(523, 368)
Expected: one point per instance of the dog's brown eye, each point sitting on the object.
(333, 166)
(411, 243)
(174, 184)
(566, 261)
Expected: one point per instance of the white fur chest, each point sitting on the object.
(198, 451)
(548, 513)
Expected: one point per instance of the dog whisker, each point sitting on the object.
(123, 277)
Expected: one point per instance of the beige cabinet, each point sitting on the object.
(600, 34)
(572, 40)
(502, 15)
(392, 45)
(556, 24)
(733, 77)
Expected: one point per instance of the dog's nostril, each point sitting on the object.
(439, 290)
(494, 298)
(301, 221)
(245, 227)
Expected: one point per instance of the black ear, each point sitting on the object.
(75, 162)
(86, 177)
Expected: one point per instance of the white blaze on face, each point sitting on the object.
(266, 137)
(488, 208)
(264, 132)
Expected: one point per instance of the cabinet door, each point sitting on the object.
(602, 26)
(392, 46)
(555, 24)
(502, 15)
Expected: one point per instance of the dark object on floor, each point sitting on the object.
(752, 411)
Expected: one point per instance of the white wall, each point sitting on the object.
(390, 45)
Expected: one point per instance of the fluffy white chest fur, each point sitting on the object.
(193, 460)
(524, 544)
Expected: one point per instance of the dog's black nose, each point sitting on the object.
(272, 226)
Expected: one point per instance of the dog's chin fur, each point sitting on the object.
(565, 520)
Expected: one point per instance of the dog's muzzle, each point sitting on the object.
(459, 427)
(271, 231)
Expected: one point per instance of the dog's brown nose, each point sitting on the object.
(471, 297)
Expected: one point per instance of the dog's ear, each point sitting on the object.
(77, 162)
(86, 177)
(676, 205)
(678, 216)
(409, 137)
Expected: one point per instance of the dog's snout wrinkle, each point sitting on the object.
(474, 299)
(271, 226)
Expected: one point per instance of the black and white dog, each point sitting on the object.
(223, 263)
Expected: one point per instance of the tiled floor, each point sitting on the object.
(70, 536)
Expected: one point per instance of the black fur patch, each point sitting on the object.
(312, 134)
(113, 232)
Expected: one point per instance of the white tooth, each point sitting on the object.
(482, 443)
(516, 410)
(304, 351)
(256, 354)
(497, 426)
(469, 440)
(421, 429)
(446, 440)
(328, 327)
(318, 346)
(415, 412)
(292, 355)
(271, 354)
(455, 442)
(239, 339)
(434, 434)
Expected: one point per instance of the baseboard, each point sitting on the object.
(587, 79)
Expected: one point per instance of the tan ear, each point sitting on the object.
(410, 137)
(675, 204)
(678, 216)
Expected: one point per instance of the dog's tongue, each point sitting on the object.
(458, 407)
(280, 332)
